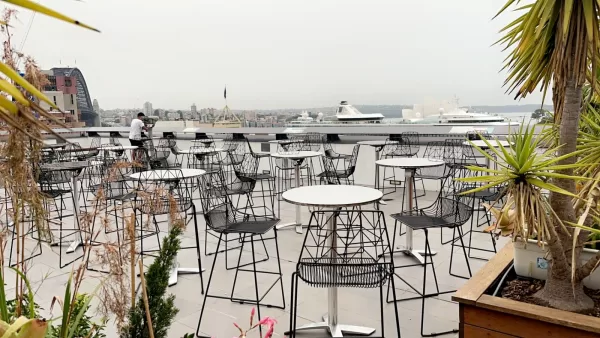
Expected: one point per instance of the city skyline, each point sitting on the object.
(273, 55)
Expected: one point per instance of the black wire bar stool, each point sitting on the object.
(222, 217)
(167, 193)
(444, 212)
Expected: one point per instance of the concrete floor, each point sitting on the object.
(357, 306)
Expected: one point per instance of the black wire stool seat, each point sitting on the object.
(223, 218)
(339, 272)
(443, 213)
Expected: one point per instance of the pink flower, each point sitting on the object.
(267, 321)
(252, 312)
(269, 332)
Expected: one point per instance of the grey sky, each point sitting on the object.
(276, 53)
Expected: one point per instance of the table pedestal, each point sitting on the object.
(176, 271)
(298, 222)
(76, 243)
(377, 151)
(409, 174)
(330, 321)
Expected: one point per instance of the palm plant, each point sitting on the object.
(556, 42)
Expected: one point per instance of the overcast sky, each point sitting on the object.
(276, 53)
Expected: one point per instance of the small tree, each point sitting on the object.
(553, 42)
(162, 308)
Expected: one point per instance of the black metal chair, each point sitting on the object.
(480, 216)
(222, 217)
(356, 260)
(55, 186)
(443, 213)
(166, 192)
(331, 171)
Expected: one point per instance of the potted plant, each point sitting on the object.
(553, 45)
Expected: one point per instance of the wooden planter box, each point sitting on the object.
(483, 315)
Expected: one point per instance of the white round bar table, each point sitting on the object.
(165, 176)
(378, 145)
(200, 151)
(481, 144)
(333, 196)
(118, 148)
(297, 157)
(410, 166)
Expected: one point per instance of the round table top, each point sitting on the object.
(201, 150)
(296, 154)
(481, 144)
(286, 141)
(336, 196)
(117, 148)
(165, 175)
(209, 140)
(410, 162)
(376, 143)
(57, 166)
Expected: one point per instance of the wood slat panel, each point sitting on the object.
(478, 332)
(541, 313)
(519, 326)
(476, 286)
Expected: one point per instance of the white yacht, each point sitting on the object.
(447, 113)
(347, 113)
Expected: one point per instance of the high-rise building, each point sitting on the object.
(148, 109)
(194, 111)
(96, 106)
(62, 91)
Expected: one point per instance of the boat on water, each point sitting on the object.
(347, 116)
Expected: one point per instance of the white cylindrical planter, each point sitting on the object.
(531, 261)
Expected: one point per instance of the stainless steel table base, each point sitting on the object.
(293, 224)
(176, 271)
(337, 330)
(417, 254)
(298, 222)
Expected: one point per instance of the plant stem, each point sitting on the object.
(145, 297)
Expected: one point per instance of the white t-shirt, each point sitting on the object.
(136, 129)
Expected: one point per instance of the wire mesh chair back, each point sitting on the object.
(115, 182)
(347, 255)
(434, 151)
(329, 175)
(94, 145)
(204, 158)
(172, 144)
(161, 192)
(393, 148)
(216, 205)
(453, 152)
(446, 212)
(353, 159)
(411, 138)
(207, 143)
(311, 141)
